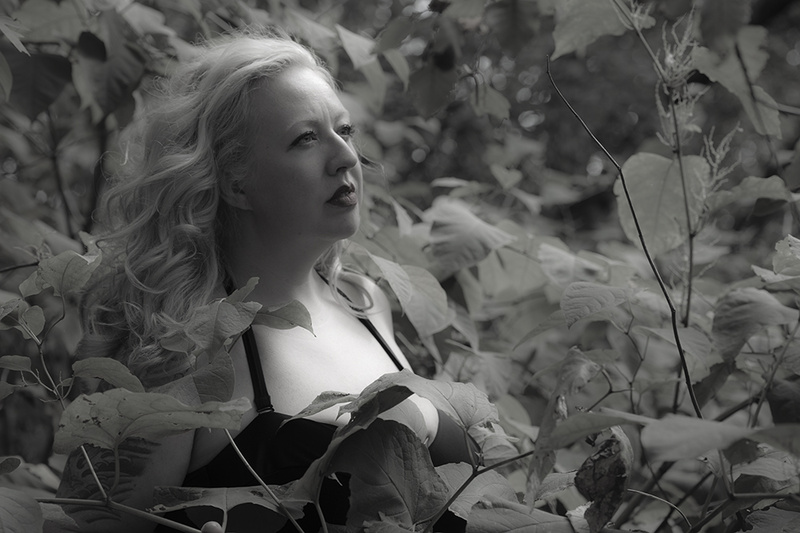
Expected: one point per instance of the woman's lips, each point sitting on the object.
(345, 196)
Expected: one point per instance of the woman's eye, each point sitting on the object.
(347, 131)
(305, 138)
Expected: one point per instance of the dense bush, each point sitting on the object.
(633, 324)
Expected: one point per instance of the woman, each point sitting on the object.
(248, 170)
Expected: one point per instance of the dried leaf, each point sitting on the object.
(603, 478)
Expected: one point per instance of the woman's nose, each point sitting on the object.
(344, 156)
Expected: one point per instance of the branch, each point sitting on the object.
(650, 260)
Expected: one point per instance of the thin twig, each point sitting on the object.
(264, 486)
(650, 260)
(662, 500)
(10, 268)
(122, 508)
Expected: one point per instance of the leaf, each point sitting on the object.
(750, 189)
(677, 437)
(393, 35)
(6, 79)
(743, 312)
(7, 389)
(38, 79)
(784, 401)
(108, 418)
(19, 512)
(9, 464)
(783, 436)
(19, 363)
(430, 88)
(506, 177)
(109, 370)
(488, 100)
(19, 315)
(563, 267)
(211, 327)
(66, 273)
(582, 425)
(459, 239)
(603, 477)
(581, 22)
(168, 499)
(399, 64)
(488, 483)
(582, 299)
(654, 184)
(721, 20)
(12, 31)
(728, 72)
(464, 9)
(496, 515)
(786, 260)
(773, 520)
(49, 21)
(292, 315)
(105, 84)
(359, 48)
(512, 22)
(391, 471)
(325, 400)
(422, 298)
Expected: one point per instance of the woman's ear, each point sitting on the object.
(234, 195)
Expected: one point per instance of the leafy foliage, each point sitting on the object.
(554, 295)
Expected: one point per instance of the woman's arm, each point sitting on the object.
(143, 465)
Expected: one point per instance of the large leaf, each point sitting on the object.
(496, 515)
(292, 315)
(582, 425)
(656, 191)
(750, 189)
(728, 72)
(211, 327)
(167, 499)
(488, 483)
(48, 21)
(422, 298)
(581, 22)
(430, 88)
(721, 20)
(19, 315)
(459, 238)
(108, 418)
(743, 312)
(603, 477)
(681, 437)
(359, 48)
(66, 273)
(584, 300)
(104, 81)
(38, 79)
(109, 370)
(390, 472)
(19, 512)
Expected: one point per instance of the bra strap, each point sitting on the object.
(261, 399)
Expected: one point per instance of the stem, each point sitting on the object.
(266, 488)
(650, 260)
(689, 229)
(685, 497)
(122, 508)
(58, 177)
(662, 500)
(16, 267)
(772, 374)
(475, 473)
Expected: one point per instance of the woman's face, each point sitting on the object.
(305, 181)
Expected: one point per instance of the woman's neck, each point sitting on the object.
(284, 274)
